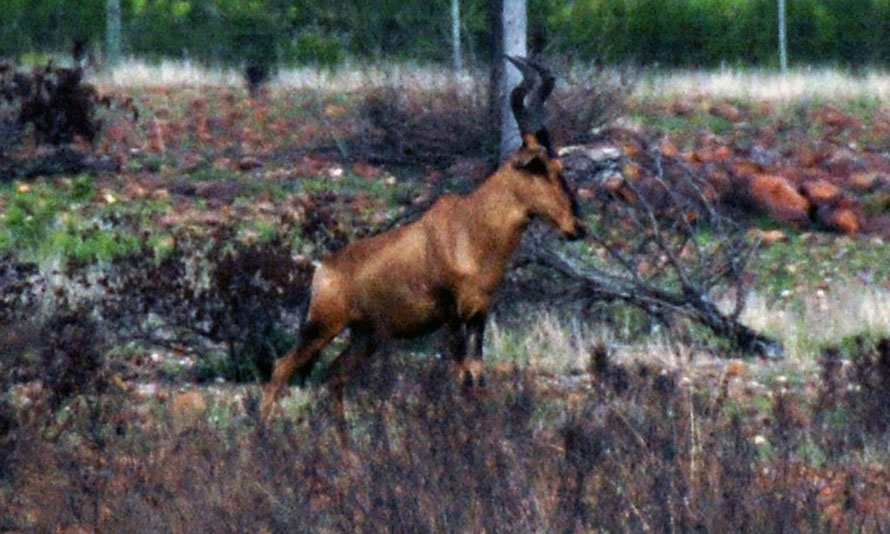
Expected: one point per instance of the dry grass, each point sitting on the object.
(644, 450)
(652, 438)
(798, 85)
(552, 344)
(807, 323)
(135, 74)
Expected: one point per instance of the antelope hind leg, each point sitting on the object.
(313, 338)
(360, 347)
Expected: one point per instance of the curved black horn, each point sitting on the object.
(537, 84)
(548, 81)
(530, 81)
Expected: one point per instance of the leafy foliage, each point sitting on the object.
(681, 33)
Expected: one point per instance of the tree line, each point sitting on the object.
(676, 33)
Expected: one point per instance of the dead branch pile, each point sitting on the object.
(659, 243)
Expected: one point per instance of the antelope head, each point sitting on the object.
(539, 184)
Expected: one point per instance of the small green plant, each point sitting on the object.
(82, 188)
(91, 245)
(30, 213)
(43, 220)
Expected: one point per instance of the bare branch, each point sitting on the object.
(667, 251)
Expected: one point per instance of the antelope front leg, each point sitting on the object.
(474, 365)
(457, 349)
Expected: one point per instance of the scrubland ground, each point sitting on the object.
(144, 303)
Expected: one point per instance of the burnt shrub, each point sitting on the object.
(253, 283)
(71, 359)
(425, 126)
(211, 289)
(851, 407)
(434, 125)
(585, 101)
(54, 101)
(17, 303)
(50, 367)
(8, 428)
(17, 281)
(537, 453)
(868, 376)
(53, 106)
(63, 351)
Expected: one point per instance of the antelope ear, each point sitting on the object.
(532, 161)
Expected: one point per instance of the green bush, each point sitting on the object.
(314, 48)
(678, 33)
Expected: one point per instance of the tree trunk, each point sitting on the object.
(509, 31)
(455, 35)
(112, 32)
(783, 41)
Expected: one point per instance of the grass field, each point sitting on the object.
(140, 306)
(799, 84)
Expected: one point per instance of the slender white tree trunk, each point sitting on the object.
(112, 32)
(455, 35)
(509, 31)
(783, 41)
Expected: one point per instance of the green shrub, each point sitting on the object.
(82, 188)
(676, 33)
(314, 48)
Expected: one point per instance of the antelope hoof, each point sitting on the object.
(467, 380)
(270, 399)
(481, 381)
(473, 379)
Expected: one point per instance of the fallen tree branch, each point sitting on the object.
(658, 244)
(660, 303)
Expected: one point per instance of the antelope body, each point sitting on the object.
(441, 270)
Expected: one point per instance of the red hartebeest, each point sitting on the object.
(443, 269)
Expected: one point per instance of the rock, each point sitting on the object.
(726, 111)
(668, 149)
(821, 192)
(841, 218)
(597, 152)
(218, 193)
(617, 186)
(632, 171)
(775, 195)
(720, 183)
(681, 108)
(768, 236)
(866, 181)
(834, 118)
(745, 168)
(248, 163)
(366, 170)
(844, 163)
